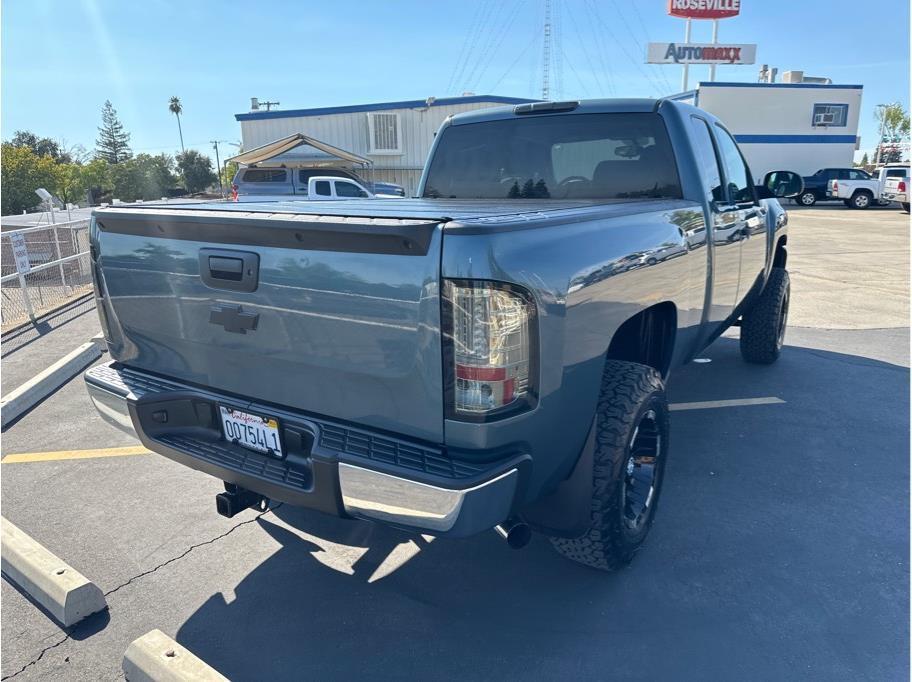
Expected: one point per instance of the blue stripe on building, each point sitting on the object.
(795, 139)
(381, 106)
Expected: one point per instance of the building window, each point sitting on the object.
(384, 133)
(830, 115)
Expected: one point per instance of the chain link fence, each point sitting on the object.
(58, 271)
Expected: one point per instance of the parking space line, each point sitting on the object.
(709, 404)
(74, 454)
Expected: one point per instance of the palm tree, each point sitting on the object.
(176, 108)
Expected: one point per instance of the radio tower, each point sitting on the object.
(546, 53)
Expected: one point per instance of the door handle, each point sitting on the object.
(229, 270)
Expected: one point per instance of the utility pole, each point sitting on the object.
(546, 53)
(883, 120)
(218, 165)
(686, 41)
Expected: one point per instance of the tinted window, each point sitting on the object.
(592, 156)
(842, 174)
(897, 172)
(827, 115)
(264, 175)
(858, 175)
(347, 189)
(736, 173)
(706, 156)
(305, 175)
(321, 187)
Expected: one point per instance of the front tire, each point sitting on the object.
(860, 200)
(807, 199)
(631, 449)
(763, 326)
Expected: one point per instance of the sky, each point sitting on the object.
(61, 59)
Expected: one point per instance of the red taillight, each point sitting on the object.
(835, 186)
(901, 187)
(491, 348)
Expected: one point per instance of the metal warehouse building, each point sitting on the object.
(800, 127)
(395, 136)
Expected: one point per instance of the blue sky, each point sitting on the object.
(61, 59)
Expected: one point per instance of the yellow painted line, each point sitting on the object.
(74, 454)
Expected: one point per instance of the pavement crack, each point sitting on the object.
(36, 659)
(69, 631)
(180, 556)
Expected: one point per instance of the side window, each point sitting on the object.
(739, 178)
(858, 175)
(264, 175)
(321, 188)
(706, 156)
(348, 189)
(842, 174)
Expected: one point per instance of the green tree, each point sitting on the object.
(229, 170)
(893, 124)
(21, 173)
(113, 142)
(42, 146)
(176, 108)
(864, 160)
(75, 180)
(196, 171)
(143, 177)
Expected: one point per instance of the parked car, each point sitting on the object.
(897, 189)
(321, 188)
(467, 360)
(815, 186)
(264, 181)
(861, 193)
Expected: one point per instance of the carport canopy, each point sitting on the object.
(269, 152)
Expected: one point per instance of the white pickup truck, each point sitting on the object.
(862, 193)
(897, 189)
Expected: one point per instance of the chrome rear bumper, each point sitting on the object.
(336, 482)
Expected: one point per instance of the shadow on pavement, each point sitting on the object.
(780, 551)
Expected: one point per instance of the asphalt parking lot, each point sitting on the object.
(780, 551)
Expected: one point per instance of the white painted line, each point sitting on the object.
(709, 404)
(67, 594)
(155, 657)
(22, 399)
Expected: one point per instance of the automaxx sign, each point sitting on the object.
(700, 53)
(704, 9)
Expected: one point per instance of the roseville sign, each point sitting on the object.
(700, 53)
(704, 9)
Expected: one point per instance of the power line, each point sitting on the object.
(579, 36)
(491, 46)
(475, 29)
(515, 62)
(621, 13)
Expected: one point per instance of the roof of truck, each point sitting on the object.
(587, 106)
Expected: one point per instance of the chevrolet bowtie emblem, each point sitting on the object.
(233, 319)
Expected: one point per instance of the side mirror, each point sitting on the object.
(780, 184)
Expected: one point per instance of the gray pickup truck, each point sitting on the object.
(491, 354)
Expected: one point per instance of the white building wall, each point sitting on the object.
(779, 110)
(349, 131)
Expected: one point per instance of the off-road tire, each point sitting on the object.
(763, 326)
(861, 200)
(806, 199)
(630, 392)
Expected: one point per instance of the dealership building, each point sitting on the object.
(793, 125)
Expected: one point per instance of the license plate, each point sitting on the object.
(252, 431)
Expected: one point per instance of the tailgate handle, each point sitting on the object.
(226, 268)
(229, 269)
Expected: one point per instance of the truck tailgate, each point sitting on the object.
(331, 315)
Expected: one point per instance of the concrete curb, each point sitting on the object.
(67, 594)
(155, 657)
(22, 399)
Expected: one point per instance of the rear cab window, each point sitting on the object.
(580, 156)
(264, 175)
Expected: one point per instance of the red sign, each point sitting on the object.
(704, 9)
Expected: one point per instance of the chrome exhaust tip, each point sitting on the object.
(515, 531)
